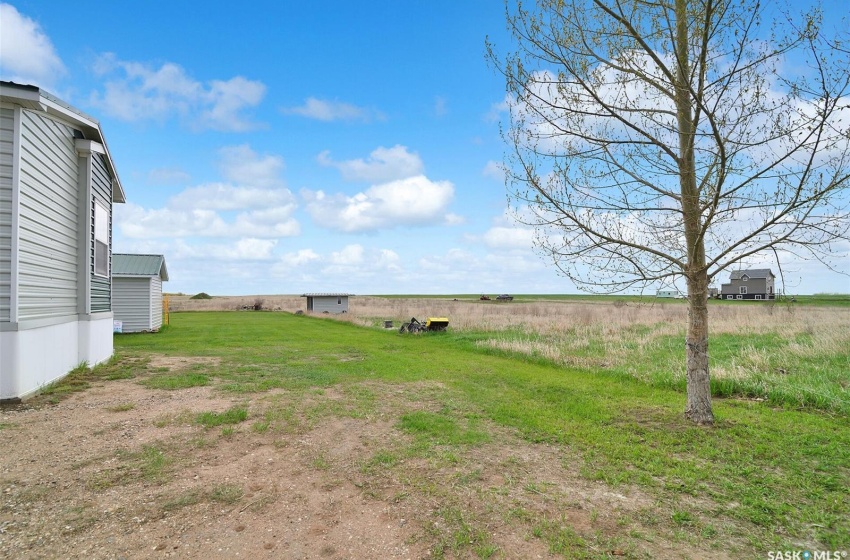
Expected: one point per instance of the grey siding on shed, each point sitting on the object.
(101, 293)
(330, 304)
(7, 140)
(156, 302)
(48, 221)
(131, 303)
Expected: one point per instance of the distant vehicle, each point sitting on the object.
(484, 298)
(505, 297)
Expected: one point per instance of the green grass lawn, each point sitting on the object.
(774, 477)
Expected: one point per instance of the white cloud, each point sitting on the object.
(507, 233)
(28, 56)
(498, 109)
(242, 165)
(387, 260)
(337, 268)
(258, 208)
(382, 165)
(328, 111)
(501, 237)
(441, 107)
(225, 100)
(136, 222)
(168, 175)
(494, 170)
(177, 250)
(248, 249)
(349, 255)
(136, 91)
(224, 196)
(299, 259)
(454, 219)
(415, 201)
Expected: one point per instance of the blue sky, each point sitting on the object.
(283, 147)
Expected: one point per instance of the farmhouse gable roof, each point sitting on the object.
(752, 273)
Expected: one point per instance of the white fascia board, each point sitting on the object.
(25, 96)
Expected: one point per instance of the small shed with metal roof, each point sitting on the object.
(327, 302)
(137, 291)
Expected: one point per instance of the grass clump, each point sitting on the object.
(457, 532)
(382, 459)
(175, 382)
(226, 493)
(185, 499)
(152, 463)
(124, 407)
(231, 416)
(81, 377)
(442, 429)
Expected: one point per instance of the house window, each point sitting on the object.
(739, 296)
(339, 301)
(729, 296)
(745, 277)
(743, 289)
(758, 296)
(101, 240)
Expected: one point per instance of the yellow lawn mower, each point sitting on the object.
(432, 324)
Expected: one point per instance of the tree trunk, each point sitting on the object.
(698, 407)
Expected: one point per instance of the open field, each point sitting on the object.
(791, 354)
(283, 436)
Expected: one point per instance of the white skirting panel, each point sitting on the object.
(96, 339)
(32, 358)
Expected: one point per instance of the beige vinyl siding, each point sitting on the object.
(48, 221)
(101, 292)
(7, 142)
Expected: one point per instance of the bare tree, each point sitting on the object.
(656, 140)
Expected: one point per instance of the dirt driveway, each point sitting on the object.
(121, 470)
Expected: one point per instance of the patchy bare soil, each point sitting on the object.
(124, 471)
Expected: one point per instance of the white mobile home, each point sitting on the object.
(327, 303)
(137, 291)
(57, 187)
(668, 294)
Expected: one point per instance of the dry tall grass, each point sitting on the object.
(563, 331)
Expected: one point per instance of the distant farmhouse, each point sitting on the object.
(137, 291)
(755, 283)
(57, 187)
(327, 303)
